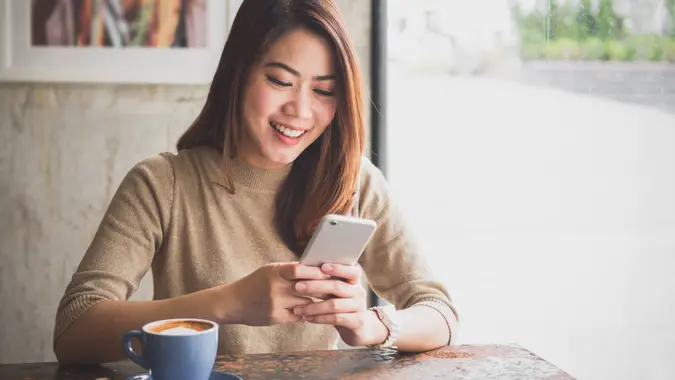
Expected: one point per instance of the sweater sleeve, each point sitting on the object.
(129, 235)
(392, 263)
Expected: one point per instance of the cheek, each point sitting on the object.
(260, 102)
(324, 114)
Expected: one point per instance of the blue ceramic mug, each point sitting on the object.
(175, 349)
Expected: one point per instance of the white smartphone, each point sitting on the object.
(338, 239)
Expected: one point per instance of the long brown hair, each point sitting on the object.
(325, 175)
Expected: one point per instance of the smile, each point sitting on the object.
(288, 132)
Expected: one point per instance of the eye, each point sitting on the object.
(324, 93)
(278, 82)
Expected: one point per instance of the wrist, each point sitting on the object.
(226, 304)
(390, 318)
(378, 330)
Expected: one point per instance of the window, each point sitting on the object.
(532, 145)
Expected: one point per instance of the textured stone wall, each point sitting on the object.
(63, 151)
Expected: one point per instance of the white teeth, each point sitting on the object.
(287, 131)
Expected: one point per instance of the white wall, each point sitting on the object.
(550, 216)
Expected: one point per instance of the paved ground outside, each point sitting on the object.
(549, 213)
(651, 84)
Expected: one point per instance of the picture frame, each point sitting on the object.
(21, 60)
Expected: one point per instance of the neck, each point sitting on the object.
(255, 176)
(262, 164)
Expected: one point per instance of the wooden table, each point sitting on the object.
(457, 362)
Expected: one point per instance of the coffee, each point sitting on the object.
(179, 327)
(175, 349)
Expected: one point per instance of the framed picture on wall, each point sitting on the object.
(113, 41)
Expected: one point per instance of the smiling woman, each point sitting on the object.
(277, 146)
(291, 74)
(291, 91)
(295, 132)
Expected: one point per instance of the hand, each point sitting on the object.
(344, 305)
(267, 296)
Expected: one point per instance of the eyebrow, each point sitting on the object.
(296, 73)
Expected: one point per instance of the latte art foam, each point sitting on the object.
(179, 331)
(180, 327)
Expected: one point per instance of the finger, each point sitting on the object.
(294, 301)
(287, 316)
(350, 273)
(284, 310)
(332, 306)
(319, 297)
(348, 320)
(295, 271)
(325, 288)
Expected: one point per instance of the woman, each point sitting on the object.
(277, 146)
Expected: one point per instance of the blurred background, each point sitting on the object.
(531, 144)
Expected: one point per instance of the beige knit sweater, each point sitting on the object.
(173, 214)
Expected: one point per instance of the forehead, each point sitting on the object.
(303, 50)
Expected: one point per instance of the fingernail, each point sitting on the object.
(327, 268)
(300, 286)
(298, 311)
(309, 319)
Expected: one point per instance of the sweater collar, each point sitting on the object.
(244, 174)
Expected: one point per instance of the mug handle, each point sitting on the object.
(129, 350)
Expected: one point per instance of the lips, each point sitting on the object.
(288, 131)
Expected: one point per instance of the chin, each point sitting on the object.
(282, 158)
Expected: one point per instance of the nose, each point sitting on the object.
(301, 105)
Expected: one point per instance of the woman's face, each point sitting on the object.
(289, 99)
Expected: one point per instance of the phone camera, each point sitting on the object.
(333, 223)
